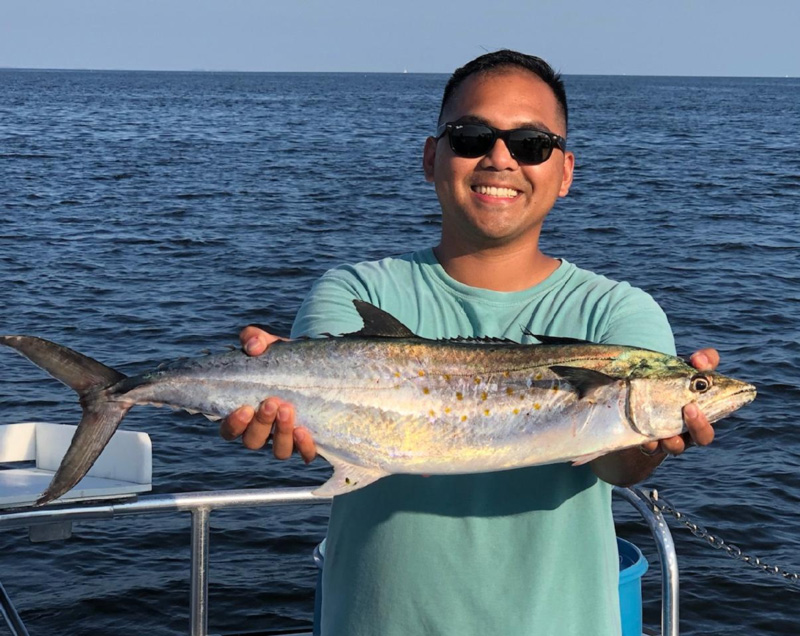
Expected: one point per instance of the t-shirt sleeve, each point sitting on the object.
(328, 308)
(638, 321)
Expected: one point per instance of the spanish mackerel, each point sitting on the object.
(383, 400)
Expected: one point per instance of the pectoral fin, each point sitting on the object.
(585, 381)
(347, 477)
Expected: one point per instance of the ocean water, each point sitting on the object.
(147, 216)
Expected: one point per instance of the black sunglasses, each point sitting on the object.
(527, 145)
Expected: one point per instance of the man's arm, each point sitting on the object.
(632, 465)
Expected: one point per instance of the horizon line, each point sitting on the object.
(403, 72)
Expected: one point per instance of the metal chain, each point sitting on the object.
(735, 552)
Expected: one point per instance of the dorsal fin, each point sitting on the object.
(585, 381)
(379, 324)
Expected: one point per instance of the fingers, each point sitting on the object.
(705, 359)
(235, 424)
(304, 444)
(673, 445)
(257, 433)
(255, 341)
(701, 431)
(283, 431)
(273, 418)
(676, 445)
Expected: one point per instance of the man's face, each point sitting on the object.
(493, 200)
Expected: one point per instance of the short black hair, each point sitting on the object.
(504, 58)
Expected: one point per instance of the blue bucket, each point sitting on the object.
(632, 566)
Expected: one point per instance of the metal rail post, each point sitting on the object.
(199, 572)
(668, 558)
(10, 615)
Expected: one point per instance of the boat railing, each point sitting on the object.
(55, 521)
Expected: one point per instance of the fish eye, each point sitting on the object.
(700, 384)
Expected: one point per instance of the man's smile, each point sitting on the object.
(496, 191)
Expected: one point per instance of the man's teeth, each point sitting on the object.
(496, 192)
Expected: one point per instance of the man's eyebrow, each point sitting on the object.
(472, 119)
(538, 125)
(476, 119)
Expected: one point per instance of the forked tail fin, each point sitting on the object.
(101, 416)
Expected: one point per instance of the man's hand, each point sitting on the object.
(700, 432)
(274, 417)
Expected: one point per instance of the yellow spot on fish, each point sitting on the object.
(421, 374)
(397, 374)
(426, 390)
(477, 380)
(484, 396)
(447, 377)
(516, 411)
(459, 395)
(538, 376)
(506, 374)
(486, 412)
(463, 418)
(509, 391)
(537, 406)
(447, 409)
(431, 413)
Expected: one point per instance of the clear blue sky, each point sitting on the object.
(643, 37)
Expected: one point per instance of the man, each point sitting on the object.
(527, 551)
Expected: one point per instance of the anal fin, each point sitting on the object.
(585, 459)
(347, 477)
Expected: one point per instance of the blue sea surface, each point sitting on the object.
(147, 216)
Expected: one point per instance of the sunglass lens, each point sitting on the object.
(471, 140)
(529, 146)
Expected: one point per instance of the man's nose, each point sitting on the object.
(499, 157)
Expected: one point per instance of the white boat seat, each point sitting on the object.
(125, 466)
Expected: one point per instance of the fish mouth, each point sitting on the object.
(748, 392)
(726, 405)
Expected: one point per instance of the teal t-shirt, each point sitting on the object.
(530, 551)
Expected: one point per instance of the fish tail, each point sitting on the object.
(101, 416)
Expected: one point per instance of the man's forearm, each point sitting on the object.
(626, 467)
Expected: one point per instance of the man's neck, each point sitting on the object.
(502, 268)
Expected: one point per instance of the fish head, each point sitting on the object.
(655, 403)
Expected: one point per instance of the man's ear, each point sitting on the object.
(566, 178)
(429, 158)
